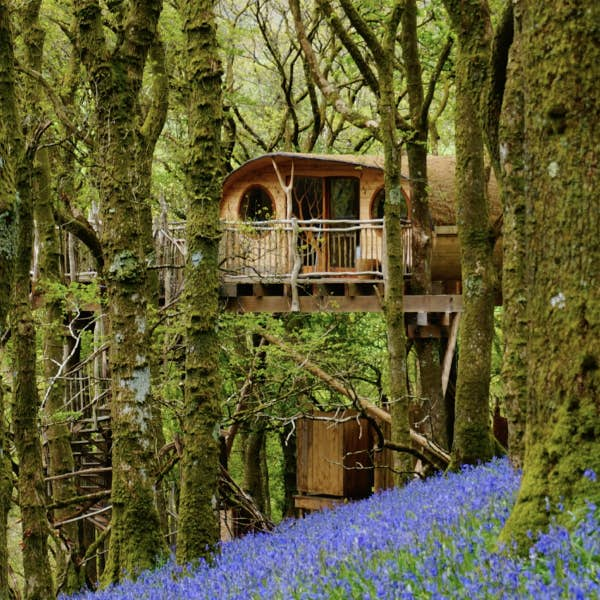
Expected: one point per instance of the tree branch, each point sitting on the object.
(364, 30)
(329, 90)
(438, 455)
(435, 76)
(341, 31)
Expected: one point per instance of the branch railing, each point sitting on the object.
(270, 251)
(282, 251)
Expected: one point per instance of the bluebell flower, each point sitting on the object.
(431, 539)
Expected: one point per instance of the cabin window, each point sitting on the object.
(256, 205)
(377, 206)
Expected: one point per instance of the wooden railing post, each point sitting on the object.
(295, 252)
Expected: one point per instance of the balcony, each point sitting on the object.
(311, 251)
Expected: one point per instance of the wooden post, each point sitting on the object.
(450, 353)
(297, 265)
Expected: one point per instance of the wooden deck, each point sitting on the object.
(287, 266)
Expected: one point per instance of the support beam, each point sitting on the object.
(442, 303)
(449, 355)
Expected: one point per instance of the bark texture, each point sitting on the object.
(115, 79)
(8, 223)
(416, 151)
(473, 440)
(198, 507)
(26, 404)
(514, 321)
(26, 401)
(560, 54)
(394, 282)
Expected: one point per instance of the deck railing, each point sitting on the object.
(277, 251)
(281, 250)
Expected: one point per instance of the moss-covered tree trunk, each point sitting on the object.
(26, 400)
(151, 129)
(473, 439)
(198, 528)
(428, 350)
(70, 577)
(26, 403)
(8, 225)
(115, 80)
(514, 321)
(560, 54)
(394, 282)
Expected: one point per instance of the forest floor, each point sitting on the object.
(432, 539)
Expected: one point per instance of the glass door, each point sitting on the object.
(343, 194)
(308, 205)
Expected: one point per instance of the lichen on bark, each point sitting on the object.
(121, 148)
(562, 257)
(473, 439)
(514, 321)
(198, 523)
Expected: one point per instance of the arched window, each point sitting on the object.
(256, 205)
(378, 203)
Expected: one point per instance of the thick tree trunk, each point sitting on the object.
(150, 132)
(32, 492)
(561, 176)
(473, 440)
(26, 401)
(8, 221)
(514, 284)
(198, 508)
(136, 542)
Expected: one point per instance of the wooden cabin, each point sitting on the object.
(334, 459)
(305, 232)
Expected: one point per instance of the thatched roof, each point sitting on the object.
(440, 172)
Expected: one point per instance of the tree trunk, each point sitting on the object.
(473, 440)
(416, 150)
(287, 440)
(253, 467)
(70, 578)
(8, 220)
(136, 542)
(514, 322)
(394, 283)
(26, 401)
(32, 492)
(560, 169)
(198, 508)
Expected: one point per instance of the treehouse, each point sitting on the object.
(305, 232)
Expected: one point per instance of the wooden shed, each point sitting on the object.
(307, 226)
(334, 460)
